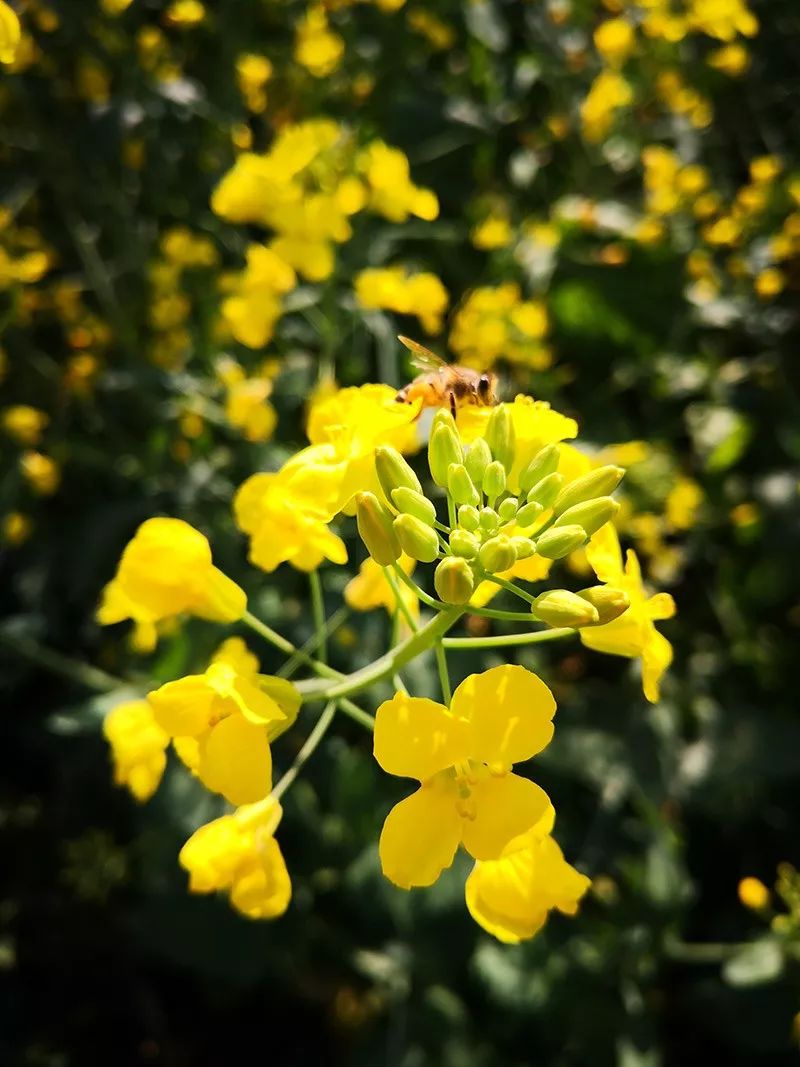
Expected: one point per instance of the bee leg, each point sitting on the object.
(452, 397)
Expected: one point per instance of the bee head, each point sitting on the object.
(485, 387)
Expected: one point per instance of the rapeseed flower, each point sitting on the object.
(238, 853)
(462, 757)
(138, 747)
(370, 588)
(10, 33)
(41, 472)
(24, 423)
(632, 634)
(394, 288)
(496, 323)
(317, 48)
(511, 897)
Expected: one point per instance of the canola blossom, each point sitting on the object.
(507, 500)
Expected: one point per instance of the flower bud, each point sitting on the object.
(376, 531)
(599, 482)
(559, 542)
(454, 581)
(460, 486)
(545, 491)
(464, 544)
(591, 514)
(494, 481)
(558, 607)
(393, 471)
(529, 513)
(478, 459)
(500, 436)
(444, 449)
(543, 463)
(443, 417)
(508, 509)
(523, 547)
(414, 503)
(416, 538)
(490, 520)
(469, 517)
(610, 603)
(497, 555)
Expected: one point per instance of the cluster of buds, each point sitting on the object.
(490, 527)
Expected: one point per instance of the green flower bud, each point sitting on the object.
(443, 417)
(464, 544)
(497, 555)
(610, 603)
(408, 500)
(500, 436)
(543, 463)
(599, 482)
(469, 517)
(523, 547)
(494, 481)
(478, 459)
(460, 486)
(559, 542)
(454, 580)
(508, 509)
(490, 520)
(545, 491)
(591, 514)
(529, 513)
(375, 528)
(444, 449)
(416, 538)
(558, 607)
(393, 471)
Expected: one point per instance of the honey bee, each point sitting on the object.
(441, 384)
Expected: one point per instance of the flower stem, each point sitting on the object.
(385, 666)
(510, 586)
(536, 637)
(311, 742)
(399, 602)
(444, 676)
(280, 642)
(331, 626)
(356, 714)
(82, 673)
(318, 610)
(415, 589)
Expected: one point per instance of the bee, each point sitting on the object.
(441, 384)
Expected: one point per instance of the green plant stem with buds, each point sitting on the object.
(461, 644)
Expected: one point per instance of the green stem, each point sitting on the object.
(403, 608)
(318, 611)
(497, 613)
(331, 626)
(534, 638)
(58, 663)
(385, 666)
(356, 714)
(444, 676)
(311, 742)
(280, 642)
(510, 586)
(415, 589)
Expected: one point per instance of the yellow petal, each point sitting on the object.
(661, 606)
(656, 657)
(184, 707)
(505, 807)
(509, 711)
(420, 837)
(263, 890)
(604, 554)
(416, 737)
(235, 760)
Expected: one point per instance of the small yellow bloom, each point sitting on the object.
(370, 589)
(24, 423)
(608, 93)
(493, 232)
(421, 294)
(511, 897)
(10, 33)
(115, 7)
(683, 502)
(17, 528)
(391, 191)
(248, 409)
(185, 13)
(317, 48)
(753, 893)
(232, 712)
(632, 634)
(138, 747)
(731, 59)
(167, 570)
(239, 854)
(615, 39)
(770, 283)
(41, 472)
(462, 757)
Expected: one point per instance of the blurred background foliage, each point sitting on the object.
(613, 218)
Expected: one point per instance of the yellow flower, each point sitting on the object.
(232, 712)
(496, 323)
(462, 757)
(770, 283)
(248, 409)
(166, 570)
(608, 93)
(115, 7)
(239, 854)
(753, 893)
(511, 897)
(17, 528)
(255, 307)
(138, 747)
(185, 13)
(317, 48)
(24, 423)
(615, 39)
(421, 294)
(41, 472)
(370, 589)
(731, 59)
(286, 521)
(683, 502)
(493, 232)
(10, 33)
(391, 191)
(723, 19)
(632, 634)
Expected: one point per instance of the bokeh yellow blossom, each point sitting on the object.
(138, 747)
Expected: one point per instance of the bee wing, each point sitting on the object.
(422, 357)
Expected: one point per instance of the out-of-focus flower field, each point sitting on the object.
(215, 219)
